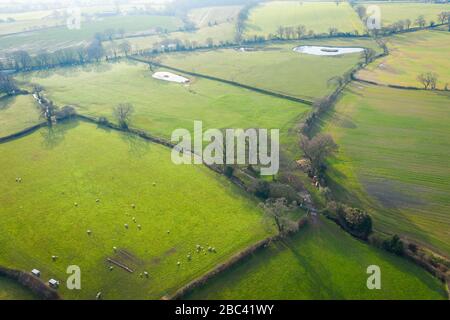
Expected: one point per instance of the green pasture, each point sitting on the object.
(316, 16)
(275, 67)
(321, 262)
(221, 33)
(396, 11)
(410, 55)
(57, 38)
(17, 113)
(202, 17)
(64, 171)
(393, 159)
(161, 107)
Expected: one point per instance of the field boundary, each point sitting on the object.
(235, 259)
(229, 82)
(23, 132)
(31, 283)
(395, 86)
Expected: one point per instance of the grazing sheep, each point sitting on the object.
(54, 258)
(126, 225)
(111, 268)
(97, 200)
(89, 232)
(75, 204)
(133, 206)
(154, 184)
(178, 263)
(146, 274)
(115, 249)
(139, 226)
(168, 231)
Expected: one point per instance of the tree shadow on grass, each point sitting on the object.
(53, 135)
(7, 102)
(137, 147)
(319, 277)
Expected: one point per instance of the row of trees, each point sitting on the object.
(428, 80)
(406, 24)
(7, 85)
(21, 60)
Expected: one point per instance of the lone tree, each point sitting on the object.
(317, 149)
(125, 47)
(279, 210)
(123, 112)
(368, 55)
(428, 80)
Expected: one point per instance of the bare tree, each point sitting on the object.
(428, 80)
(125, 47)
(368, 55)
(420, 21)
(95, 50)
(123, 112)
(301, 31)
(408, 23)
(337, 81)
(279, 210)
(280, 32)
(7, 85)
(442, 17)
(361, 11)
(317, 149)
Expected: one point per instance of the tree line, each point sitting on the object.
(407, 24)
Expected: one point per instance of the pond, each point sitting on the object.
(169, 76)
(326, 51)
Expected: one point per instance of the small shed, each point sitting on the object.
(53, 283)
(36, 273)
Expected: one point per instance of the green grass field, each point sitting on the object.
(79, 163)
(275, 67)
(17, 113)
(62, 37)
(411, 55)
(161, 107)
(317, 16)
(10, 290)
(221, 33)
(393, 159)
(396, 11)
(202, 17)
(321, 262)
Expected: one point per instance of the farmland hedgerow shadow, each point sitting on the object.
(53, 135)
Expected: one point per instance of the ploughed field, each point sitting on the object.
(77, 177)
(393, 159)
(321, 262)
